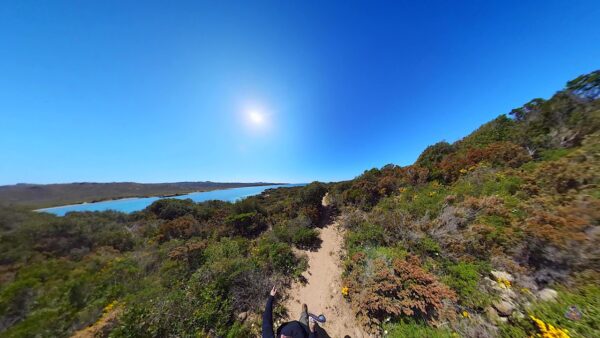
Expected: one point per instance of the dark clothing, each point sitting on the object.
(294, 329)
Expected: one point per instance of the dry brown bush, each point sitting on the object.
(401, 288)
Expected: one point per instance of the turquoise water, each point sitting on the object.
(139, 203)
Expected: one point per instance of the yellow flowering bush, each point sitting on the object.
(549, 330)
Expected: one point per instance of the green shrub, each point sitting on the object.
(554, 154)
(224, 261)
(500, 129)
(507, 330)
(212, 308)
(180, 312)
(278, 257)
(410, 328)
(171, 208)
(428, 246)
(418, 202)
(238, 330)
(298, 232)
(432, 156)
(364, 235)
(464, 277)
(305, 238)
(389, 253)
(246, 224)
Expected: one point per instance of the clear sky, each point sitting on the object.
(289, 91)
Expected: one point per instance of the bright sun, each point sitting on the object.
(256, 117)
(256, 120)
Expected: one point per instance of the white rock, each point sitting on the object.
(504, 308)
(242, 316)
(547, 294)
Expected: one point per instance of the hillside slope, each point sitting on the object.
(476, 236)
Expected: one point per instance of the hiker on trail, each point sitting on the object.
(301, 328)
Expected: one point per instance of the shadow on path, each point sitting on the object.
(321, 333)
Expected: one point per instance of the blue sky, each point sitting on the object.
(267, 91)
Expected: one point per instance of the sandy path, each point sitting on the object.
(322, 292)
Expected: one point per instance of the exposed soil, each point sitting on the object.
(322, 290)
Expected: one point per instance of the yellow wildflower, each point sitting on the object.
(463, 171)
(345, 291)
(465, 314)
(549, 330)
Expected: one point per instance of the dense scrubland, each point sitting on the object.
(493, 235)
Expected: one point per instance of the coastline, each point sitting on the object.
(149, 196)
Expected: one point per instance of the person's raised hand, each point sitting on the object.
(273, 291)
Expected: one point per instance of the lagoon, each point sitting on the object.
(139, 203)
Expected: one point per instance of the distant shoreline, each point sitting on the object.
(43, 196)
(151, 196)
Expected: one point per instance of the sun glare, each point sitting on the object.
(256, 117)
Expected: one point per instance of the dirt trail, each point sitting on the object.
(322, 292)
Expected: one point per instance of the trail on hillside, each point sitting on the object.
(322, 290)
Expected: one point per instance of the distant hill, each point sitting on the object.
(47, 195)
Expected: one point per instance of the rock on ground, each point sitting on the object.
(504, 308)
(547, 294)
